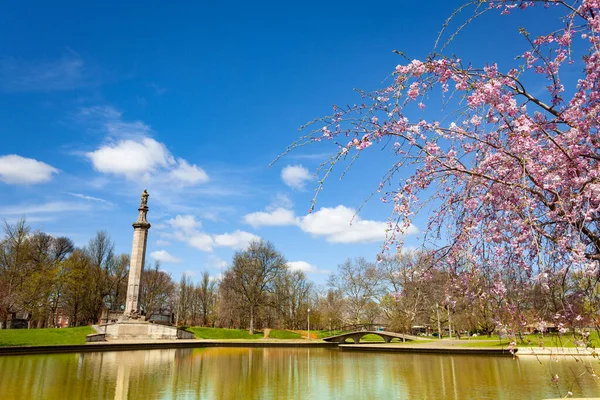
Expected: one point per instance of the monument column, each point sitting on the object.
(138, 258)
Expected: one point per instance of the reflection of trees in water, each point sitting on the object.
(224, 373)
(272, 373)
(103, 375)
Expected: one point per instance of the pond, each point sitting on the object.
(287, 373)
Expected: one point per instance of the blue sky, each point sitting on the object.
(192, 102)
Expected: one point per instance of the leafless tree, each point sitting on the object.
(157, 289)
(360, 282)
(206, 296)
(254, 273)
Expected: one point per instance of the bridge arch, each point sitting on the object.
(358, 335)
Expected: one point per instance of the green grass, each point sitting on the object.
(485, 343)
(371, 338)
(46, 336)
(324, 334)
(222, 333)
(482, 337)
(280, 334)
(533, 340)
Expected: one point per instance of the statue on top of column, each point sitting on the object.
(144, 198)
(143, 210)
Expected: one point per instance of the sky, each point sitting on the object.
(193, 101)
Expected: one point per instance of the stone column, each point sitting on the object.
(138, 258)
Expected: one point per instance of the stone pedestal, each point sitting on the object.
(139, 330)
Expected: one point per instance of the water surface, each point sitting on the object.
(287, 373)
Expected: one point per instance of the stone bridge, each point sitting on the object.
(357, 335)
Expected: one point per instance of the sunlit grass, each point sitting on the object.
(281, 334)
(223, 333)
(45, 336)
(533, 340)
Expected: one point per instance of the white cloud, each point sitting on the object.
(15, 169)
(216, 212)
(216, 262)
(278, 217)
(164, 256)
(336, 225)
(186, 230)
(160, 242)
(281, 200)
(189, 273)
(91, 198)
(305, 267)
(341, 225)
(108, 120)
(188, 174)
(295, 176)
(184, 222)
(130, 151)
(50, 207)
(236, 240)
(198, 240)
(131, 158)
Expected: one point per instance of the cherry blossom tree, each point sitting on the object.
(512, 172)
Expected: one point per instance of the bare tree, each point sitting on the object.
(184, 300)
(230, 303)
(206, 291)
(157, 289)
(359, 281)
(254, 272)
(331, 304)
(61, 248)
(405, 279)
(14, 260)
(100, 251)
(290, 298)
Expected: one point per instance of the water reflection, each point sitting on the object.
(270, 373)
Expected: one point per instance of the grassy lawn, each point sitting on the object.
(485, 343)
(324, 334)
(371, 338)
(222, 333)
(41, 337)
(534, 340)
(280, 334)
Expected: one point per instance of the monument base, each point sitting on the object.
(140, 330)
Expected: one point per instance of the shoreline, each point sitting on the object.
(441, 348)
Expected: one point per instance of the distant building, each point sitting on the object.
(61, 319)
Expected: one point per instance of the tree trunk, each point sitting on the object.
(75, 311)
(437, 311)
(251, 331)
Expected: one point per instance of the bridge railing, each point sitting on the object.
(362, 327)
